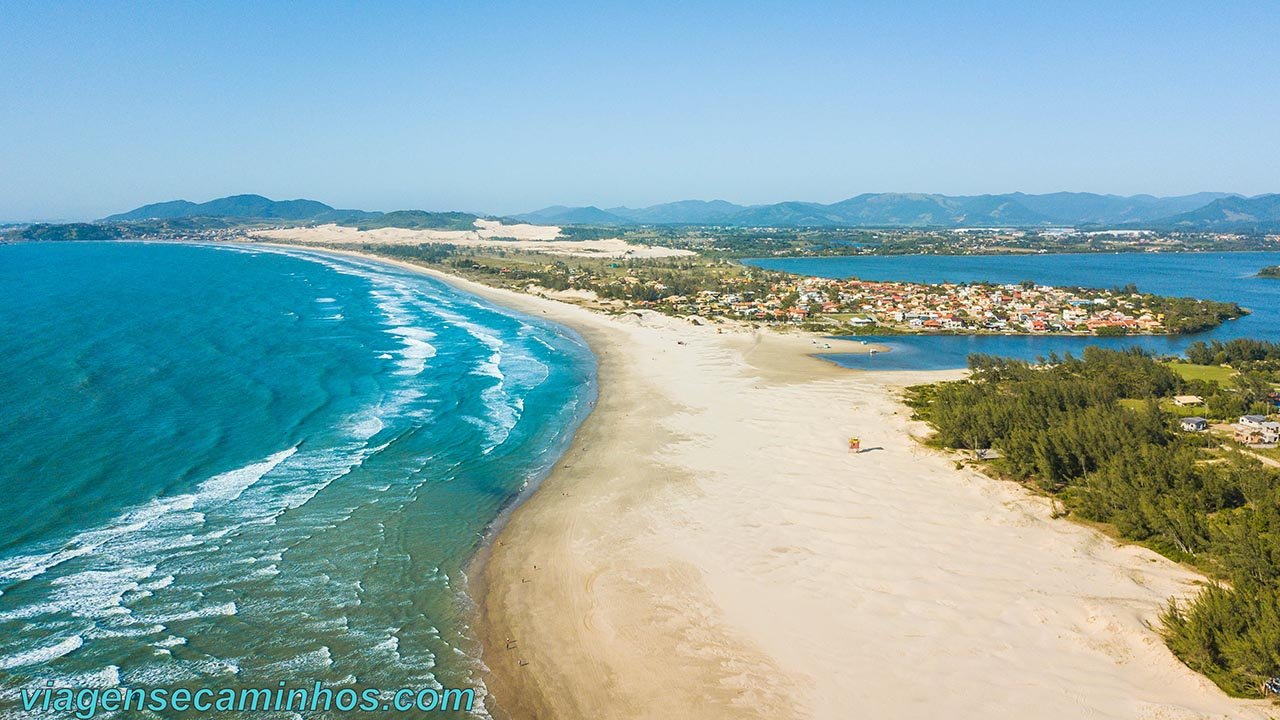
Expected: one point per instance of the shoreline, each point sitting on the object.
(707, 548)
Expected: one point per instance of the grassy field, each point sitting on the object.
(1213, 373)
(1167, 405)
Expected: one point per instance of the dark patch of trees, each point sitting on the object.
(1061, 427)
(70, 232)
(1238, 352)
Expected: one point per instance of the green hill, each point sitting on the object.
(899, 210)
(46, 232)
(256, 208)
(1260, 213)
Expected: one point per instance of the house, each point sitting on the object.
(1270, 433)
(1194, 424)
(1185, 400)
(1247, 434)
(1252, 420)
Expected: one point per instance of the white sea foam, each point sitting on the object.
(366, 427)
(160, 584)
(391, 644)
(35, 656)
(219, 488)
(93, 593)
(220, 610)
(130, 631)
(417, 348)
(229, 485)
(171, 641)
(108, 676)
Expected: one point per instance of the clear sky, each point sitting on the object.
(507, 107)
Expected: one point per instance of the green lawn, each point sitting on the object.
(1167, 405)
(1214, 373)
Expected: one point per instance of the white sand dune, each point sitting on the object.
(488, 234)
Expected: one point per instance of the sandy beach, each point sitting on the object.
(709, 548)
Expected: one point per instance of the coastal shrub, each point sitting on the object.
(1232, 352)
(1230, 635)
(1061, 425)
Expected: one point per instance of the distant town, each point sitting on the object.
(714, 289)
(945, 307)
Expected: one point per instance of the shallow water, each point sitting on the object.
(235, 465)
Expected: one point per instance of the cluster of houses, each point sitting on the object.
(1023, 308)
(1248, 430)
(1256, 430)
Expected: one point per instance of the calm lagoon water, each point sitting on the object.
(230, 466)
(1213, 276)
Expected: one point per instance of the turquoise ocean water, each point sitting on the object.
(1227, 276)
(230, 466)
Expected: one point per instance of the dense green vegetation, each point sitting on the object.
(253, 210)
(626, 279)
(1189, 315)
(70, 232)
(417, 219)
(1241, 352)
(1093, 433)
(1270, 271)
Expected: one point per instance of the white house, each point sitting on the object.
(1195, 424)
(1270, 432)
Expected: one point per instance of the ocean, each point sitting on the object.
(235, 465)
(1227, 276)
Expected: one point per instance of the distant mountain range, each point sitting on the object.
(236, 206)
(1217, 211)
(259, 208)
(1233, 213)
(1222, 212)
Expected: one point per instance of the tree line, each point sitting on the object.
(1239, 353)
(1061, 426)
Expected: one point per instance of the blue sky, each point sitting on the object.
(505, 107)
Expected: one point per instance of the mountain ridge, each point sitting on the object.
(1260, 213)
(1209, 211)
(258, 207)
(916, 210)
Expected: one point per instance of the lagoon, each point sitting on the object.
(1227, 276)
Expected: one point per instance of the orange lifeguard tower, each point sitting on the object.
(855, 444)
